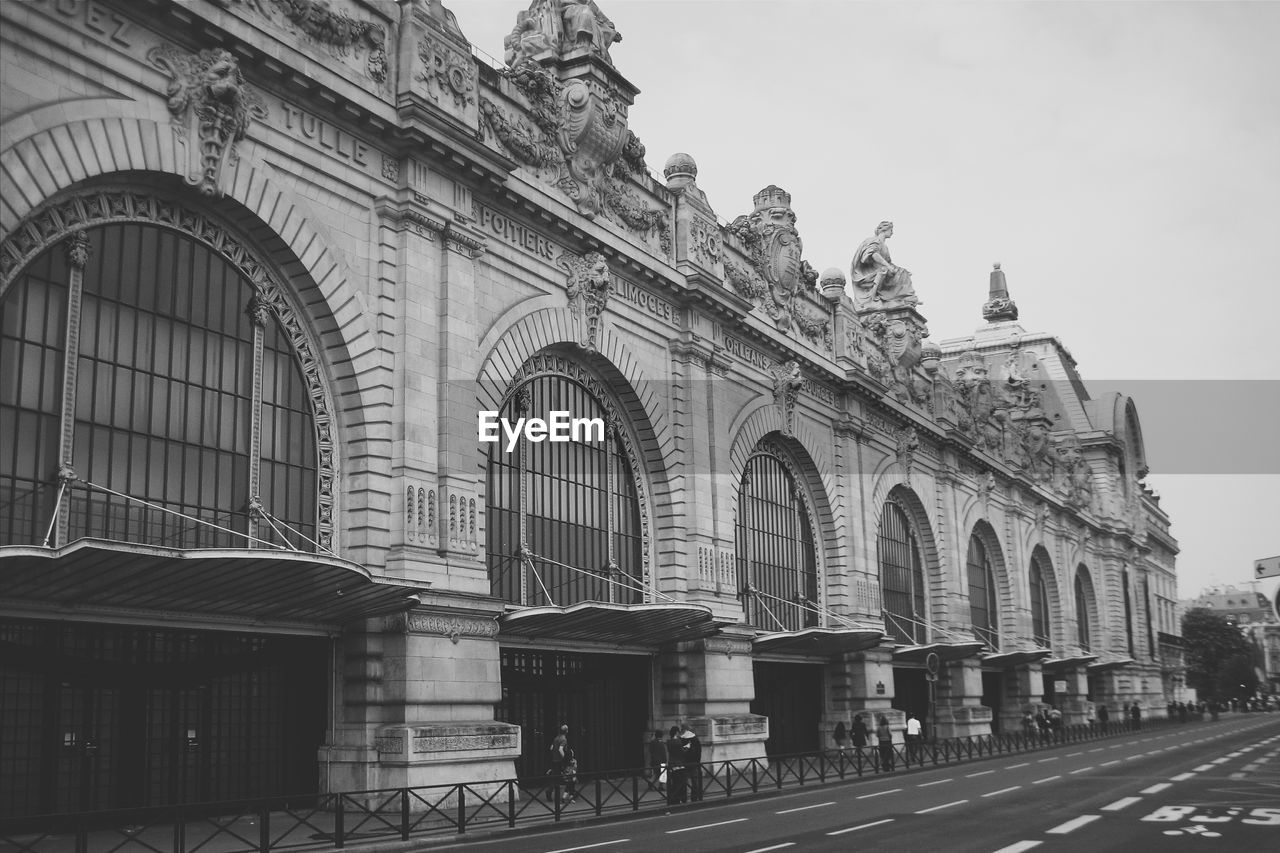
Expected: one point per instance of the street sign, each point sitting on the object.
(1268, 567)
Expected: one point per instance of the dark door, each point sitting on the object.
(604, 699)
(911, 694)
(992, 696)
(790, 695)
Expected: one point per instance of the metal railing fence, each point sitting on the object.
(336, 820)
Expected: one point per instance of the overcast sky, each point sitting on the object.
(1119, 160)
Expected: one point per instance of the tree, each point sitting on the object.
(1220, 658)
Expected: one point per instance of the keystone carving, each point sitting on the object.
(211, 107)
(589, 284)
(787, 382)
(907, 443)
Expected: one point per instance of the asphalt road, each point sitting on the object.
(1197, 787)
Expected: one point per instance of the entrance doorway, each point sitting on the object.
(993, 697)
(911, 694)
(790, 695)
(107, 716)
(604, 699)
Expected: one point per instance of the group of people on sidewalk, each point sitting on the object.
(882, 757)
(675, 764)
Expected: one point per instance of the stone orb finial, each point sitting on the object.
(930, 355)
(680, 165)
(831, 284)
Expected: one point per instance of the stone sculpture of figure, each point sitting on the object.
(527, 40)
(875, 277)
(586, 26)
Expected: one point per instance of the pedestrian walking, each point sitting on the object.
(860, 734)
(570, 776)
(691, 761)
(1103, 715)
(1091, 717)
(676, 791)
(913, 738)
(658, 762)
(840, 736)
(1135, 714)
(884, 737)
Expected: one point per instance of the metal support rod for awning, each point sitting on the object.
(192, 519)
(898, 620)
(634, 586)
(526, 559)
(751, 590)
(57, 506)
(830, 614)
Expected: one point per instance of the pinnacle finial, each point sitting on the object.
(999, 306)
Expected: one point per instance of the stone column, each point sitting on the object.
(1072, 701)
(862, 683)
(958, 708)
(709, 685)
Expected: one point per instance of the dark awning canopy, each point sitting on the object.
(1069, 662)
(820, 641)
(1104, 665)
(1008, 659)
(242, 585)
(649, 625)
(944, 651)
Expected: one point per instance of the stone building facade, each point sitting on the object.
(264, 267)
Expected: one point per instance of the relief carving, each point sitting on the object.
(211, 105)
(447, 72)
(589, 284)
(907, 442)
(787, 382)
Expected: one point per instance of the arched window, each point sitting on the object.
(175, 396)
(983, 604)
(573, 503)
(1041, 623)
(1084, 598)
(901, 575)
(775, 545)
(1128, 613)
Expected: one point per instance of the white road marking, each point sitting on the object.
(878, 794)
(1203, 767)
(944, 806)
(1076, 823)
(1156, 788)
(938, 782)
(1182, 777)
(1109, 763)
(1019, 847)
(805, 808)
(1122, 803)
(774, 847)
(1220, 761)
(1134, 757)
(590, 846)
(1237, 776)
(1050, 779)
(1002, 791)
(1074, 754)
(1043, 760)
(1081, 770)
(862, 826)
(706, 825)
(982, 773)
(1250, 767)
(1016, 766)
(1099, 749)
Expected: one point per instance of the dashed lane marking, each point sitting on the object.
(861, 826)
(706, 825)
(774, 847)
(1099, 749)
(1156, 788)
(1109, 763)
(943, 806)
(1043, 760)
(1203, 767)
(981, 773)
(938, 782)
(1081, 770)
(878, 794)
(1122, 803)
(1220, 761)
(1074, 754)
(1016, 766)
(1002, 791)
(1019, 847)
(1073, 824)
(1182, 777)
(590, 846)
(806, 808)
(1050, 779)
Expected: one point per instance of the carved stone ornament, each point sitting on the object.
(340, 32)
(878, 283)
(211, 107)
(579, 143)
(560, 28)
(907, 442)
(77, 249)
(899, 339)
(1076, 475)
(787, 382)
(448, 625)
(447, 72)
(778, 273)
(589, 284)
(999, 306)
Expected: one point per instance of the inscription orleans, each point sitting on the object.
(756, 358)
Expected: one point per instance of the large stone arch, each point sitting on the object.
(888, 486)
(1092, 607)
(532, 346)
(121, 137)
(1053, 589)
(1006, 595)
(765, 423)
